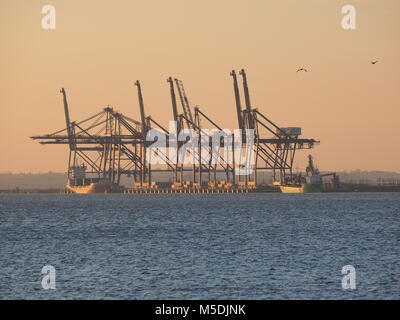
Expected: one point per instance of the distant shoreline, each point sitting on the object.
(35, 182)
(344, 187)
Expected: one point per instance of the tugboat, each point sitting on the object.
(79, 183)
(311, 183)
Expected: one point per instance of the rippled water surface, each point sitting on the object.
(214, 246)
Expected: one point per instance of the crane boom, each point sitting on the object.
(173, 98)
(67, 119)
(247, 99)
(237, 99)
(185, 102)
(141, 105)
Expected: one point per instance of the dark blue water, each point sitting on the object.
(215, 246)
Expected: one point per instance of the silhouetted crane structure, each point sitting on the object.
(110, 144)
(102, 143)
(194, 142)
(275, 152)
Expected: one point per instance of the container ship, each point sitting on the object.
(79, 183)
(311, 183)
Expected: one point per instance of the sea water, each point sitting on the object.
(200, 246)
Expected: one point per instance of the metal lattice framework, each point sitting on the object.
(277, 152)
(110, 144)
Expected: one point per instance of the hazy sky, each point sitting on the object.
(99, 48)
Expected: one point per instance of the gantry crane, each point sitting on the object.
(105, 144)
(109, 144)
(277, 152)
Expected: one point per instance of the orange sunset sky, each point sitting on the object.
(99, 48)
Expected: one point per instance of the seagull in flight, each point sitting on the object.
(374, 62)
(301, 69)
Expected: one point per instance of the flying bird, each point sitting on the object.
(301, 69)
(374, 62)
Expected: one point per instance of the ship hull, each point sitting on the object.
(305, 188)
(94, 188)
